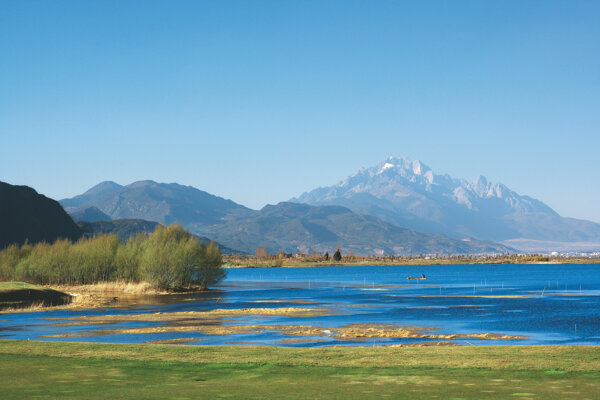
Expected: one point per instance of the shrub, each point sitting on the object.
(337, 256)
(127, 259)
(168, 258)
(209, 271)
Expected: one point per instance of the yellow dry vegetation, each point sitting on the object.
(352, 332)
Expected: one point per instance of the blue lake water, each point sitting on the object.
(544, 304)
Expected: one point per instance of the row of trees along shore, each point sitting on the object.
(169, 258)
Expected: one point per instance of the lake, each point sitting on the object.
(325, 306)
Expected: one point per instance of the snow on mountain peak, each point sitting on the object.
(416, 167)
(413, 195)
(481, 186)
(385, 166)
(402, 175)
(429, 176)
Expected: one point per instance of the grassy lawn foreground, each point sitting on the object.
(81, 370)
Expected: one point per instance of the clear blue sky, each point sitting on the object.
(259, 101)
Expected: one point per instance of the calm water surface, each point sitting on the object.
(547, 304)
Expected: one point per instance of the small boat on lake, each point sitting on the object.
(421, 278)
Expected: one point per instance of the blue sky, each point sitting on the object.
(259, 101)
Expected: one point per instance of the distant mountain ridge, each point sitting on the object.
(26, 215)
(287, 226)
(297, 227)
(409, 194)
(123, 228)
(159, 202)
(89, 214)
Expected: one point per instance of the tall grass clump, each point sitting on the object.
(170, 258)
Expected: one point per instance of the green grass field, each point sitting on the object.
(81, 370)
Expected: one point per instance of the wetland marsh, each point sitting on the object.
(364, 306)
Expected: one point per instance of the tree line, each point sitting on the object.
(168, 258)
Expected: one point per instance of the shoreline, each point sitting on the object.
(420, 262)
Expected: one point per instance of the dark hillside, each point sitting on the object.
(26, 215)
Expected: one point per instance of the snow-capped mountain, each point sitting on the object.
(409, 194)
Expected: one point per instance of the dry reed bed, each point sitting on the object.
(210, 323)
(343, 333)
(101, 294)
(191, 315)
(111, 287)
(78, 301)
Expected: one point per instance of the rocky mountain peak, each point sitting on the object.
(408, 193)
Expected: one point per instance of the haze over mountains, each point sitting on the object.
(409, 194)
(285, 226)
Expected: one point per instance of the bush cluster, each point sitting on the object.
(169, 258)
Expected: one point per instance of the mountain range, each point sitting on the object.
(399, 206)
(408, 193)
(285, 226)
(296, 227)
